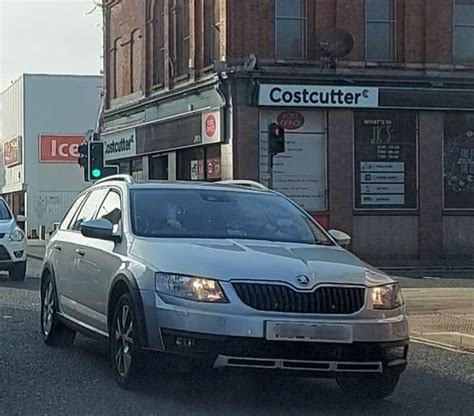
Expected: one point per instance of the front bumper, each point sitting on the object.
(320, 359)
(11, 253)
(234, 336)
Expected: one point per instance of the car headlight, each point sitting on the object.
(387, 297)
(17, 235)
(191, 288)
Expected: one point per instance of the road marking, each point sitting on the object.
(447, 347)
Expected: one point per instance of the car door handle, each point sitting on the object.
(57, 247)
(80, 251)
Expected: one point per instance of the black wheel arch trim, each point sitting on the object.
(129, 280)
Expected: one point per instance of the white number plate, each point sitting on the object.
(309, 332)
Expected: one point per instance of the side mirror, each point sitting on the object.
(100, 229)
(341, 237)
(20, 218)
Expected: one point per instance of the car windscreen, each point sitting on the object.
(221, 214)
(4, 212)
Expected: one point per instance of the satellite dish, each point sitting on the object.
(336, 43)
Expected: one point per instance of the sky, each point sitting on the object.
(49, 36)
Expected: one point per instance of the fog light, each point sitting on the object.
(396, 353)
(18, 254)
(184, 342)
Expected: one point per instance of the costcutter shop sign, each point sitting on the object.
(120, 145)
(321, 96)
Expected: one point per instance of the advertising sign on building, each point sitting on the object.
(211, 127)
(300, 172)
(12, 151)
(385, 160)
(459, 161)
(318, 96)
(59, 148)
(120, 145)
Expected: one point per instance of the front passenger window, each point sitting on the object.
(89, 208)
(111, 210)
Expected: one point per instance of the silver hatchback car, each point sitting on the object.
(221, 275)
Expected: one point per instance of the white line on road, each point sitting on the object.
(424, 341)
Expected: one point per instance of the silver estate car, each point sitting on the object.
(220, 275)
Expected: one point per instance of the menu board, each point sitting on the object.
(300, 172)
(459, 161)
(385, 160)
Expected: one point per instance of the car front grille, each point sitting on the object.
(4, 254)
(281, 298)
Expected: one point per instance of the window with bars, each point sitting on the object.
(464, 31)
(181, 37)
(380, 30)
(212, 32)
(290, 29)
(159, 43)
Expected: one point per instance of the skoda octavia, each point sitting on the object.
(223, 275)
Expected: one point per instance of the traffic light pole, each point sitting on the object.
(270, 168)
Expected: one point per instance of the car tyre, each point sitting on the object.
(125, 350)
(17, 273)
(53, 331)
(370, 387)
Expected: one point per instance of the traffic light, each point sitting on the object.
(96, 160)
(276, 139)
(83, 159)
(91, 159)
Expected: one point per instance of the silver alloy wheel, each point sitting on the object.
(48, 308)
(124, 341)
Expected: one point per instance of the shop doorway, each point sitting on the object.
(159, 168)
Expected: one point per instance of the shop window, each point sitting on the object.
(132, 167)
(158, 43)
(212, 31)
(159, 167)
(459, 161)
(136, 169)
(290, 22)
(385, 165)
(464, 31)
(380, 30)
(300, 173)
(199, 164)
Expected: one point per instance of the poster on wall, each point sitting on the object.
(385, 160)
(459, 161)
(300, 172)
(197, 170)
(12, 151)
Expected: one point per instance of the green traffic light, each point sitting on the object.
(96, 173)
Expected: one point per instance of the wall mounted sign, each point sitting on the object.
(12, 152)
(459, 161)
(120, 145)
(59, 148)
(318, 96)
(385, 160)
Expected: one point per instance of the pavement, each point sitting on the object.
(39, 380)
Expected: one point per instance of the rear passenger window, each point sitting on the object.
(89, 208)
(72, 211)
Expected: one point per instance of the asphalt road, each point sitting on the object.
(38, 380)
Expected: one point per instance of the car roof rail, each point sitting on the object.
(246, 183)
(118, 177)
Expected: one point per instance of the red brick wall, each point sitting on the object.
(424, 35)
(424, 28)
(124, 47)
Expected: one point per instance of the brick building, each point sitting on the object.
(380, 144)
